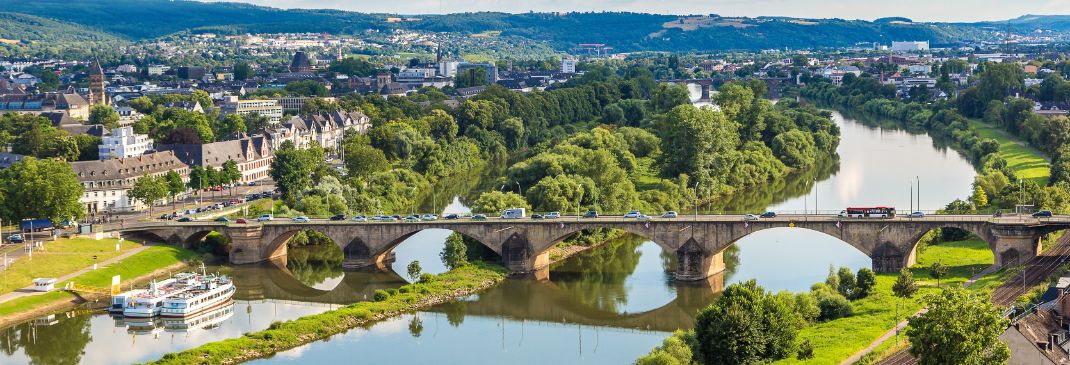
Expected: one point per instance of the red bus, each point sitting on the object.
(872, 212)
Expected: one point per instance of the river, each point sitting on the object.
(605, 306)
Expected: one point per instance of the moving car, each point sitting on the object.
(265, 218)
(513, 213)
(768, 215)
(240, 221)
(590, 214)
(633, 214)
(750, 217)
(479, 217)
(552, 215)
(917, 215)
(412, 218)
(300, 219)
(359, 218)
(185, 219)
(536, 216)
(669, 214)
(338, 217)
(16, 238)
(429, 217)
(452, 216)
(643, 217)
(222, 219)
(1042, 214)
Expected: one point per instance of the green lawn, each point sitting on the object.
(836, 340)
(62, 257)
(141, 263)
(1026, 162)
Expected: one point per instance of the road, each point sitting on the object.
(1035, 272)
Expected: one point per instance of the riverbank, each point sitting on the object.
(154, 261)
(1027, 162)
(434, 290)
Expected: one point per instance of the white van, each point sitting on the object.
(513, 213)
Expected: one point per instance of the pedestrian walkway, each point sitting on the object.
(28, 291)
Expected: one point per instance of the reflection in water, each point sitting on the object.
(318, 266)
(57, 339)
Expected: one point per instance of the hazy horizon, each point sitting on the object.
(918, 10)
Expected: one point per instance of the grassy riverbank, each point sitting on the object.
(135, 269)
(281, 336)
(58, 258)
(1027, 162)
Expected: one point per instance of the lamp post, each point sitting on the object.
(413, 205)
(519, 189)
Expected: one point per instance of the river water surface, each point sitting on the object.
(605, 306)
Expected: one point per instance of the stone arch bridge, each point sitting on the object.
(697, 241)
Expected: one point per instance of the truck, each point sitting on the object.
(35, 225)
(513, 213)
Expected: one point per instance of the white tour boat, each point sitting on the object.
(148, 303)
(213, 292)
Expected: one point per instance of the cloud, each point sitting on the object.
(920, 10)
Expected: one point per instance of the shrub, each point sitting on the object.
(806, 351)
(381, 295)
(833, 306)
(427, 277)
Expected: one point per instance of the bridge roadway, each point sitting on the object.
(697, 241)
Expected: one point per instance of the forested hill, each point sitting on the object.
(142, 19)
(30, 29)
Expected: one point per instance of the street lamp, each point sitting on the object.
(413, 192)
(518, 188)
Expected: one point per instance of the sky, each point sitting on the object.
(918, 10)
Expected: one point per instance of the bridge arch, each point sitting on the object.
(379, 251)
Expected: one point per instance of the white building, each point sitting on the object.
(156, 70)
(415, 74)
(568, 65)
(920, 69)
(295, 103)
(910, 46)
(267, 107)
(123, 143)
(106, 182)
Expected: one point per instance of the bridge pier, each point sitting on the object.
(247, 247)
(1015, 244)
(693, 263)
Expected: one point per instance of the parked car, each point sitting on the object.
(536, 216)
(338, 217)
(452, 216)
(633, 214)
(669, 214)
(222, 219)
(252, 183)
(750, 217)
(16, 238)
(300, 219)
(429, 217)
(917, 215)
(479, 217)
(265, 218)
(590, 214)
(552, 215)
(1042, 214)
(359, 218)
(185, 219)
(768, 215)
(240, 221)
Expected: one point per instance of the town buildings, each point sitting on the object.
(266, 107)
(124, 143)
(107, 182)
(252, 154)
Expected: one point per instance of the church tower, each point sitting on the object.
(96, 84)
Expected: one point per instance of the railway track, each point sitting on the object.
(1036, 271)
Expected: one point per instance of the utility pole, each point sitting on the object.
(919, 191)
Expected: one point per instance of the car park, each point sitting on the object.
(768, 215)
(669, 214)
(552, 215)
(300, 219)
(590, 214)
(338, 217)
(750, 217)
(633, 214)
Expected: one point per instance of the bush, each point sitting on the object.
(427, 277)
(381, 295)
(806, 351)
(864, 283)
(833, 306)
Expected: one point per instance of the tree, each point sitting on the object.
(960, 327)
(746, 325)
(666, 97)
(353, 66)
(455, 253)
(416, 325)
(795, 148)
(175, 186)
(33, 188)
(362, 160)
(904, 286)
(414, 270)
(443, 126)
(148, 189)
(979, 197)
(307, 88)
(864, 282)
(494, 202)
(291, 169)
(806, 351)
(231, 124)
(243, 71)
(104, 115)
(230, 174)
(847, 282)
(937, 271)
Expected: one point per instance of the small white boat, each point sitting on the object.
(213, 292)
(149, 302)
(206, 320)
(124, 300)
